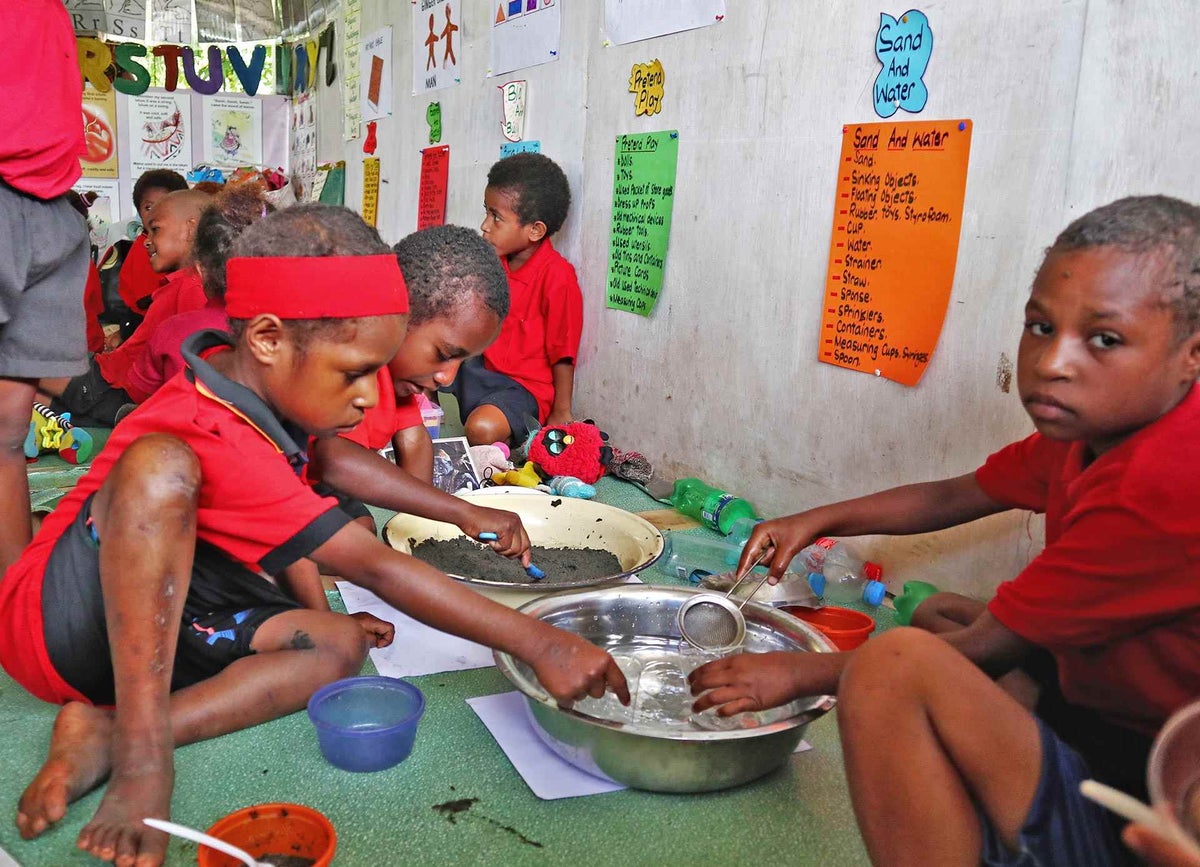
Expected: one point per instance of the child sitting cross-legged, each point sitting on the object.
(527, 377)
(944, 766)
(171, 539)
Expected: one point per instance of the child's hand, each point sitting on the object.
(757, 681)
(511, 539)
(781, 540)
(379, 632)
(1156, 850)
(571, 668)
(559, 417)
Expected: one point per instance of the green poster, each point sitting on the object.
(643, 193)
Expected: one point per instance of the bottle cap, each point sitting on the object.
(873, 571)
(874, 592)
(817, 582)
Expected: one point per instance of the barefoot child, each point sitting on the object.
(528, 374)
(156, 566)
(1106, 370)
(96, 396)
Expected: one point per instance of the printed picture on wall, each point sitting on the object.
(437, 42)
(160, 133)
(232, 131)
(99, 133)
(375, 75)
(524, 33)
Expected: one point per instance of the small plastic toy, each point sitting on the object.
(51, 432)
(569, 486)
(914, 593)
(526, 477)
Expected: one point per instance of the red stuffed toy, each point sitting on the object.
(577, 449)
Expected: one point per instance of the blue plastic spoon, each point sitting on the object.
(532, 571)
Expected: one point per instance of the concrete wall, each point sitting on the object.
(1074, 103)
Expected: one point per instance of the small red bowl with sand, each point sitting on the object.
(289, 835)
(845, 628)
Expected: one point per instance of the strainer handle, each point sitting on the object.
(745, 575)
(742, 604)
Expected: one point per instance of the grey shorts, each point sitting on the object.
(44, 254)
(476, 385)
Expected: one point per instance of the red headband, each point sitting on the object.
(315, 287)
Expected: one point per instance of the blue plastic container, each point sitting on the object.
(366, 723)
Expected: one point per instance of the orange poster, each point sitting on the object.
(895, 242)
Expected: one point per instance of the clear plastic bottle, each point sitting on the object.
(716, 509)
(838, 576)
(692, 556)
(740, 530)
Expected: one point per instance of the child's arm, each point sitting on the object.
(414, 452)
(567, 666)
(757, 681)
(901, 511)
(564, 390)
(367, 476)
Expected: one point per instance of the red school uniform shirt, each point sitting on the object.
(387, 417)
(137, 281)
(93, 306)
(183, 292)
(163, 355)
(253, 505)
(1115, 594)
(543, 326)
(41, 138)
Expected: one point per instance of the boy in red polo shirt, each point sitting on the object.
(1106, 370)
(137, 280)
(527, 377)
(96, 396)
(43, 239)
(158, 566)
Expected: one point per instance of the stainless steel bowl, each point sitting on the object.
(661, 761)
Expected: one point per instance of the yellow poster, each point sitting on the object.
(99, 133)
(370, 202)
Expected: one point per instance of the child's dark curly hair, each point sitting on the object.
(309, 230)
(444, 266)
(1140, 224)
(538, 186)
(231, 211)
(157, 179)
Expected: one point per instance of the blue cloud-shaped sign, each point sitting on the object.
(903, 47)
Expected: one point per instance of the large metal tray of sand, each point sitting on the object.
(551, 522)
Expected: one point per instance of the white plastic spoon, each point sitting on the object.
(1134, 810)
(210, 841)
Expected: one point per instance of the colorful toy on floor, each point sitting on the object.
(51, 432)
(914, 593)
(578, 449)
(569, 486)
(490, 460)
(526, 477)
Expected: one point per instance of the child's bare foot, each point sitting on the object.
(79, 759)
(116, 832)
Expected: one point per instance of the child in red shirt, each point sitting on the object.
(96, 396)
(231, 211)
(1106, 370)
(137, 280)
(158, 565)
(527, 377)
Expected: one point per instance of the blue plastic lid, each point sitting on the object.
(874, 592)
(817, 582)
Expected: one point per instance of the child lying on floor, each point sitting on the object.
(1107, 368)
(154, 570)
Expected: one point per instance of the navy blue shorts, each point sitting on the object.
(225, 605)
(476, 386)
(1063, 828)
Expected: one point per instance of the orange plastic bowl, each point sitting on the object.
(273, 829)
(845, 628)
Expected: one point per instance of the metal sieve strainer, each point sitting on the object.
(711, 622)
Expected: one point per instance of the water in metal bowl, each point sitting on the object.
(658, 742)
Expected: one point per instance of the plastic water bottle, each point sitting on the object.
(693, 557)
(839, 576)
(716, 509)
(740, 530)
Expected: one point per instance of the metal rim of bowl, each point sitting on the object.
(577, 584)
(533, 691)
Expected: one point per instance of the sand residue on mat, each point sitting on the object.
(463, 557)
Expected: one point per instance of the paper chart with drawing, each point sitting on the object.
(232, 131)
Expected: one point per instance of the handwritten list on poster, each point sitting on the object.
(370, 193)
(895, 243)
(643, 196)
(431, 197)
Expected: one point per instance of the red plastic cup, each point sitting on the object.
(273, 829)
(845, 628)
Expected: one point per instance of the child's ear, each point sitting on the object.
(1191, 358)
(266, 339)
(535, 231)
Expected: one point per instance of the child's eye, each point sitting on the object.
(1038, 329)
(1104, 340)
